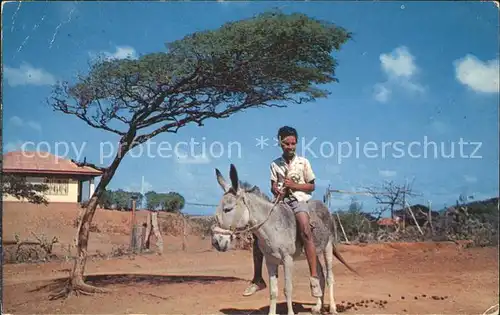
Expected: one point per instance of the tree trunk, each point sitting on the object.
(83, 238)
(76, 283)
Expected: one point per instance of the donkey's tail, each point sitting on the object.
(339, 257)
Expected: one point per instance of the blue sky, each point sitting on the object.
(414, 72)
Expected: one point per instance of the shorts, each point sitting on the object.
(296, 206)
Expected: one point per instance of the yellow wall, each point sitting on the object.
(71, 196)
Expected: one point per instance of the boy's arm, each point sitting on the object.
(274, 181)
(307, 187)
(309, 178)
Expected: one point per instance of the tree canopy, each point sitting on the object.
(18, 187)
(121, 200)
(170, 202)
(271, 60)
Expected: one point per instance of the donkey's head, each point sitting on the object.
(232, 213)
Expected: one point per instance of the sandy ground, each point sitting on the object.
(423, 278)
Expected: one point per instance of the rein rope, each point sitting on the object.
(235, 231)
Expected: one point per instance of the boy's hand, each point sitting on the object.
(280, 195)
(276, 190)
(290, 184)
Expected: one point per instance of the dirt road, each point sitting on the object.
(398, 278)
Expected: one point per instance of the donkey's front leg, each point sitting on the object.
(272, 270)
(288, 266)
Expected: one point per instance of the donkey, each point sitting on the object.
(245, 208)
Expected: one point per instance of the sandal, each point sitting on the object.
(254, 287)
(315, 287)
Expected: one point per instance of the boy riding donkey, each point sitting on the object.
(292, 182)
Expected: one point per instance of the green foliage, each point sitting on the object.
(279, 54)
(354, 222)
(119, 199)
(267, 60)
(18, 187)
(170, 202)
(476, 221)
(484, 210)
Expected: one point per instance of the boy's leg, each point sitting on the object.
(302, 215)
(258, 282)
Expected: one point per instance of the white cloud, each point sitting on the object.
(400, 69)
(399, 63)
(28, 75)
(34, 125)
(381, 93)
(387, 173)
(121, 52)
(19, 122)
(470, 179)
(16, 121)
(479, 76)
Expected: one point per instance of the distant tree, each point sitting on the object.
(152, 200)
(390, 195)
(106, 200)
(355, 205)
(18, 187)
(170, 202)
(119, 199)
(354, 221)
(175, 202)
(271, 60)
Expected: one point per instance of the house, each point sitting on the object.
(64, 178)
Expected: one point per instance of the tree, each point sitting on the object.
(170, 202)
(266, 61)
(390, 195)
(18, 187)
(119, 199)
(355, 205)
(175, 202)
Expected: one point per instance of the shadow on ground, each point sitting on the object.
(105, 280)
(280, 309)
(134, 279)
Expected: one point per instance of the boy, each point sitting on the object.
(292, 180)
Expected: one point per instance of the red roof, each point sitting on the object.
(43, 163)
(387, 221)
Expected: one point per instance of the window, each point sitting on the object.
(57, 186)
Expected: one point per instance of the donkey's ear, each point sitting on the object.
(221, 180)
(233, 175)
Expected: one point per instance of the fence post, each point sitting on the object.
(135, 242)
(147, 232)
(430, 218)
(156, 231)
